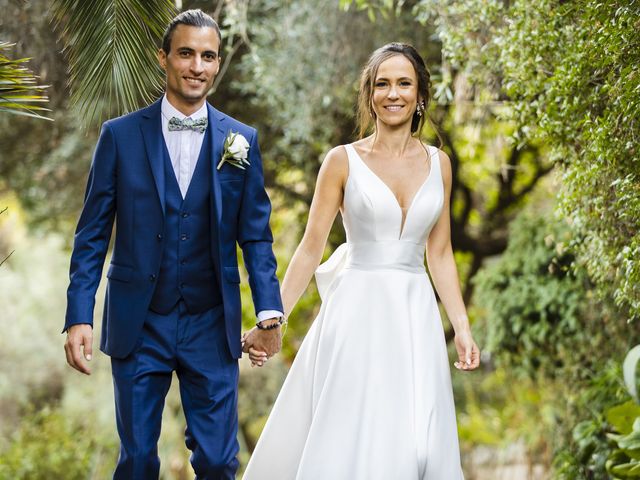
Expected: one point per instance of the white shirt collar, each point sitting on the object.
(169, 111)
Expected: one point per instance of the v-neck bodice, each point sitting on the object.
(371, 212)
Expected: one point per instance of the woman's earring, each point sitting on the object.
(419, 108)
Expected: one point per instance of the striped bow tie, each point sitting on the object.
(199, 125)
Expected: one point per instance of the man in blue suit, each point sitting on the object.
(184, 184)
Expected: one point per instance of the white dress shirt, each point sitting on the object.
(183, 145)
(184, 149)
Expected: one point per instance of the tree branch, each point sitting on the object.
(225, 65)
(507, 200)
(218, 11)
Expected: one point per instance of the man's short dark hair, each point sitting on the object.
(192, 18)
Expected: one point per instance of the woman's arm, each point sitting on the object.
(443, 270)
(326, 202)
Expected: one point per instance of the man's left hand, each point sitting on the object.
(262, 344)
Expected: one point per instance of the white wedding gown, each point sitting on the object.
(369, 395)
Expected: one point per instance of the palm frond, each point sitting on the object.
(19, 89)
(111, 47)
(7, 257)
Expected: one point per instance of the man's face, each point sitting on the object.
(191, 66)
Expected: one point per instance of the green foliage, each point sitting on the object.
(605, 442)
(19, 91)
(569, 70)
(621, 417)
(597, 449)
(383, 7)
(534, 301)
(582, 445)
(624, 461)
(50, 445)
(300, 78)
(581, 97)
(112, 54)
(629, 369)
(44, 163)
(491, 412)
(258, 389)
(544, 321)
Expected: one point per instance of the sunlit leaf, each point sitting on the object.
(19, 88)
(629, 370)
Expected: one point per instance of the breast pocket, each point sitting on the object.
(231, 176)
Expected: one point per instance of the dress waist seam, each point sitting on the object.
(368, 267)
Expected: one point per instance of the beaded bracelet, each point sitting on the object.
(280, 321)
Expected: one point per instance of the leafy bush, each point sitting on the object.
(624, 461)
(48, 445)
(541, 314)
(544, 322)
(582, 445)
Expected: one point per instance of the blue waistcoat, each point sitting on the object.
(187, 269)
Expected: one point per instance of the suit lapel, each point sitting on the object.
(216, 125)
(216, 142)
(151, 127)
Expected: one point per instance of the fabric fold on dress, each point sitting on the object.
(327, 271)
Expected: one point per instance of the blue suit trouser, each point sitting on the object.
(194, 346)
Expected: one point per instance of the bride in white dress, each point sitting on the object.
(369, 395)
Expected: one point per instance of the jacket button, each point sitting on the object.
(185, 214)
(183, 236)
(159, 236)
(152, 277)
(183, 262)
(182, 285)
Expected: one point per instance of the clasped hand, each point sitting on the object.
(261, 344)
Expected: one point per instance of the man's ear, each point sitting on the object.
(162, 58)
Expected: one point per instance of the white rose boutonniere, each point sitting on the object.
(236, 151)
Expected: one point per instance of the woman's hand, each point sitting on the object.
(468, 352)
(256, 356)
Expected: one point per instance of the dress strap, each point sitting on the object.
(352, 156)
(434, 158)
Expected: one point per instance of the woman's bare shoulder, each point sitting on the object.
(336, 163)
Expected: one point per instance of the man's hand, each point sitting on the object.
(262, 344)
(79, 340)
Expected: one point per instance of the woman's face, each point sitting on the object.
(395, 91)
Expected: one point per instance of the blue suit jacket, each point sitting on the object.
(127, 183)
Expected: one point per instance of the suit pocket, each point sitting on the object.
(231, 174)
(119, 272)
(232, 274)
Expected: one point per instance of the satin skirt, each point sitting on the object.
(369, 394)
